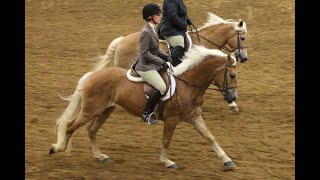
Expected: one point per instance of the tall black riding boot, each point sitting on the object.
(148, 111)
(147, 116)
(176, 55)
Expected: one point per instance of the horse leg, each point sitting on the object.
(93, 128)
(203, 130)
(72, 126)
(168, 129)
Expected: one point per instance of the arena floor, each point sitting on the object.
(62, 38)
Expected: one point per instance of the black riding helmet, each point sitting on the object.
(150, 9)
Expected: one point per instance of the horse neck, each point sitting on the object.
(201, 75)
(218, 34)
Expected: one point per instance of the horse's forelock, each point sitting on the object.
(195, 56)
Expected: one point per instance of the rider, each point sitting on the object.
(173, 27)
(151, 59)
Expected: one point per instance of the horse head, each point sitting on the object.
(218, 32)
(237, 41)
(227, 83)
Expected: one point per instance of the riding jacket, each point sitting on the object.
(149, 53)
(174, 20)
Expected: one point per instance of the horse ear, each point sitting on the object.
(230, 58)
(240, 23)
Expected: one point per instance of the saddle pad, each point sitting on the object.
(172, 88)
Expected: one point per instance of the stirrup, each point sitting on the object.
(148, 118)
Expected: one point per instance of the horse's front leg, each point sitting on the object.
(202, 128)
(168, 129)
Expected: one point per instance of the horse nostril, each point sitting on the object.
(234, 99)
(232, 76)
(244, 60)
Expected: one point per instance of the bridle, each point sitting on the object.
(239, 47)
(225, 87)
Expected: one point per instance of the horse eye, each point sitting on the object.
(242, 38)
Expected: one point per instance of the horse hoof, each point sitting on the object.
(103, 158)
(229, 165)
(170, 164)
(51, 151)
(107, 160)
(173, 166)
(234, 109)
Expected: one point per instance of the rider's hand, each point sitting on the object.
(169, 59)
(165, 66)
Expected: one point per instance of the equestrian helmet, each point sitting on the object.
(150, 9)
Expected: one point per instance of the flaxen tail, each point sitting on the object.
(72, 109)
(104, 61)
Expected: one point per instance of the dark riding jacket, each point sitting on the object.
(174, 20)
(149, 53)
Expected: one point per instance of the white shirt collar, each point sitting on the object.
(152, 26)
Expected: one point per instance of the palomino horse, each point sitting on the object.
(96, 97)
(215, 34)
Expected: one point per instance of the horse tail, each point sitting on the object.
(72, 110)
(104, 61)
(79, 86)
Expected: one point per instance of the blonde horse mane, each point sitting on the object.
(213, 19)
(195, 56)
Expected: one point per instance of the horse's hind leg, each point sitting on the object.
(168, 129)
(72, 126)
(93, 128)
(203, 130)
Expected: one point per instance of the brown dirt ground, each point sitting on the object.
(62, 37)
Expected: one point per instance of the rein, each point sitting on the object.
(220, 47)
(198, 35)
(224, 88)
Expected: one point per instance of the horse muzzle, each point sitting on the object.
(242, 59)
(241, 56)
(230, 95)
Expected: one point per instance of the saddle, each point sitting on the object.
(132, 75)
(148, 88)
